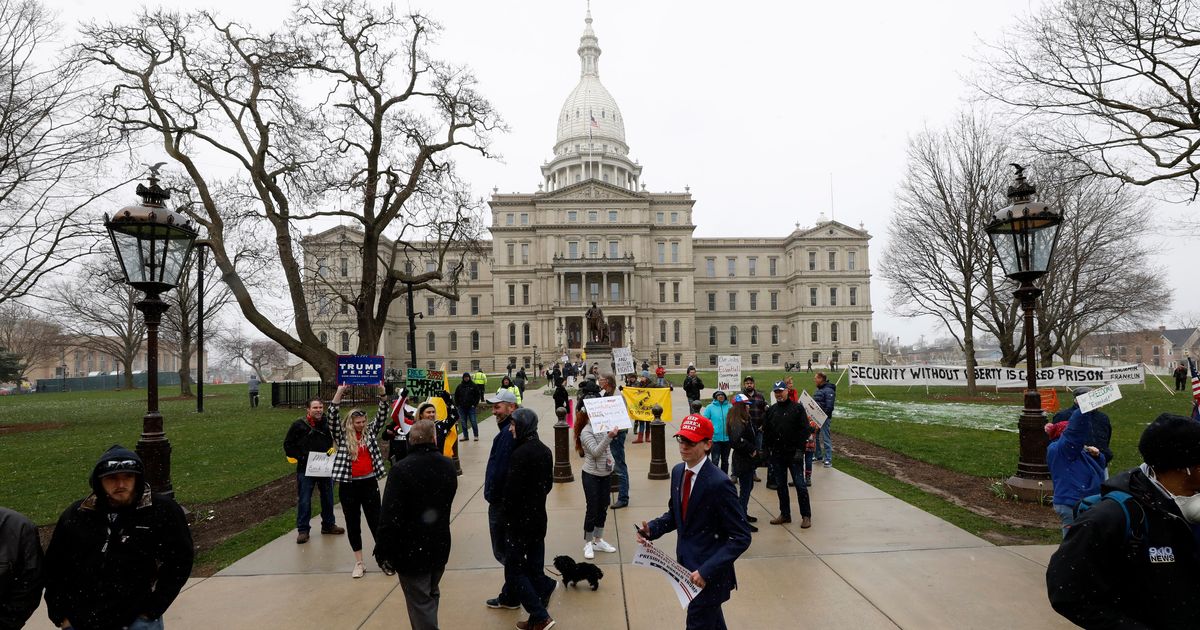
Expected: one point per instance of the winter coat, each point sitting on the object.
(692, 386)
(825, 397)
(561, 397)
(1101, 430)
(497, 465)
(414, 519)
(342, 462)
(716, 412)
(21, 571)
(105, 566)
(1098, 579)
(466, 395)
(1075, 473)
(597, 458)
(530, 477)
(758, 407)
(743, 440)
(303, 438)
(785, 427)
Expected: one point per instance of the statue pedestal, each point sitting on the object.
(600, 353)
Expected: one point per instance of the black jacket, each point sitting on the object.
(785, 427)
(466, 395)
(106, 566)
(692, 386)
(303, 438)
(21, 576)
(1099, 580)
(530, 477)
(1101, 430)
(743, 440)
(414, 521)
(561, 396)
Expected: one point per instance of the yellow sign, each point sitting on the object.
(639, 400)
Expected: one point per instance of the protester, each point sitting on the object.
(785, 430)
(744, 442)
(692, 386)
(716, 411)
(556, 375)
(118, 558)
(1075, 468)
(530, 477)
(562, 399)
(810, 450)
(310, 434)
(357, 467)
(480, 379)
(646, 369)
(504, 403)
(712, 528)
(596, 470)
(757, 407)
(792, 394)
(21, 570)
(414, 525)
(660, 373)
(825, 395)
(1101, 427)
(252, 385)
(466, 398)
(507, 383)
(608, 387)
(1135, 563)
(397, 432)
(520, 380)
(1180, 374)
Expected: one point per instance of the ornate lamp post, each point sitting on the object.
(1024, 235)
(152, 245)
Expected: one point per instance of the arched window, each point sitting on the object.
(712, 335)
(733, 335)
(754, 335)
(512, 335)
(678, 331)
(525, 334)
(775, 337)
(324, 337)
(853, 331)
(662, 331)
(345, 342)
(833, 332)
(854, 356)
(813, 332)
(712, 359)
(454, 343)
(475, 340)
(430, 342)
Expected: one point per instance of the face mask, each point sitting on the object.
(1188, 506)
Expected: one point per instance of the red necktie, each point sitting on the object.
(686, 490)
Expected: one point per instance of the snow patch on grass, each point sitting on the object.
(965, 415)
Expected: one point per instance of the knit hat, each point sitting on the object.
(1055, 429)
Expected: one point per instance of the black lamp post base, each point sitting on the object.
(1030, 490)
(658, 447)
(155, 451)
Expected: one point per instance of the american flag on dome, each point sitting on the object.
(594, 123)
(1195, 389)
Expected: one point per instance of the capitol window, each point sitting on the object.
(674, 218)
(712, 301)
(812, 261)
(833, 332)
(508, 219)
(774, 335)
(572, 249)
(712, 335)
(833, 296)
(524, 218)
(612, 249)
(853, 331)
(733, 335)
(710, 266)
(454, 343)
(674, 251)
(812, 296)
(851, 262)
(754, 300)
(612, 216)
(754, 335)
(658, 217)
(832, 261)
(474, 305)
(592, 216)
(853, 296)
(572, 216)
(813, 332)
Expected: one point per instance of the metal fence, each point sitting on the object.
(298, 393)
(102, 382)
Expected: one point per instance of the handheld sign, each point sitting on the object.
(606, 413)
(1098, 397)
(623, 358)
(729, 373)
(423, 383)
(814, 411)
(319, 465)
(359, 369)
(651, 557)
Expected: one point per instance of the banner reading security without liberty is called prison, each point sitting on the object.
(1056, 376)
(639, 400)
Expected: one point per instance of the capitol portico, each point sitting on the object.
(593, 233)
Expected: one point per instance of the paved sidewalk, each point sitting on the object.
(869, 561)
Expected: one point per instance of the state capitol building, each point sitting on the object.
(593, 233)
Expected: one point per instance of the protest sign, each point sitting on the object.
(623, 358)
(606, 413)
(814, 411)
(359, 369)
(987, 376)
(729, 373)
(319, 465)
(647, 555)
(1098, 397)
(639, 400)
(424, 383)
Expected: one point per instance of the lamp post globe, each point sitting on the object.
(1023, 236)
(152, 245)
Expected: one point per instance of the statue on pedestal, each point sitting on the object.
(597, 327)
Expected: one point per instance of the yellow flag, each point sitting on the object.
(639, 400)
(439, 406)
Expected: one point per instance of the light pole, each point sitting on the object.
(152, 245)
(1024, 235)
(200, 245)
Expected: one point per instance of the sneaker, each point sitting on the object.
(333, 531)
(781, 520)
(772, 486)
(545, 624)
(359, 570)
(603, 545)
(806, 522)
(753, 529)
(620, 504)
(588, 551)
(808, 482)
(301, 538)
(495, 602)
(828, 464)
(751, 519)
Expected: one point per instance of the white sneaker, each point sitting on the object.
(603, 545)
(588, 552)
(359, 570)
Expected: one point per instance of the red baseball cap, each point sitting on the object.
(695, 428)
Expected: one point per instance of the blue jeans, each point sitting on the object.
(524, 569)
(304, 486)
(617, 447)
(719, 454)
(824, 444)
(467, 415)
(808, 462)
(496, 529)
(745, 484)
(1066, 514)
(783, 462)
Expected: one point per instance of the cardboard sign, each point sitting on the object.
(359, 369)
(606, 413)
(814, 411)
(319, 465)
(729, 373)
(623, 358)
(424, 383)
(651, 557)
(1098, 397)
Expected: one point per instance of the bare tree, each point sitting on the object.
(260, 355)
(50, 152)
(1187, 320)
(375, 149)
(938, 254)
(97, 311)
(180, 321)
(1111, 86)
(32, 337)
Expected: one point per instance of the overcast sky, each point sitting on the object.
(756, 105)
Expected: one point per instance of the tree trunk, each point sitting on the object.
(128, 375)
(969, 348)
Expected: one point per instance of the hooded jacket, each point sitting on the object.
(692, 386)
(466, 394)
(1098, 579)
(825, 396)
(530, 477)
(304, 437)
(1101, 430)
(785, 427)
(21, 575)
(716, 412)
(414, 520)
(497, 465)
(106, 565)
(1075, 473)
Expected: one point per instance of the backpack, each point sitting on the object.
(1123, 499)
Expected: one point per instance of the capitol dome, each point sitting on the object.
(590, 113)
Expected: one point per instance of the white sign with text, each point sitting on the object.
(649, 556)
(814, 411)
(606, 413)
(729, 373)
(319, 465)
(1098, 397)
(623, 358)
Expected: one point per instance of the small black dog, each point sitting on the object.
(575, 572)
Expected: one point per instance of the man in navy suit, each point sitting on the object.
(712, 526)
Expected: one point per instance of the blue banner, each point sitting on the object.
(359, 369)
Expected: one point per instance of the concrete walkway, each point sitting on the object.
(869, 561)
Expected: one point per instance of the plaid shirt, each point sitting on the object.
(341, 460)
